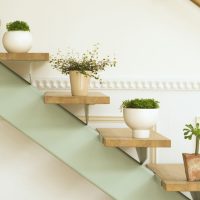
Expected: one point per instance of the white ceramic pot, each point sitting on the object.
(79, 83)
(140, 120)
(17, 41)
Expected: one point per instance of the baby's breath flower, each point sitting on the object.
(89, 61)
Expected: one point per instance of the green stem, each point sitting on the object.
(197, 146)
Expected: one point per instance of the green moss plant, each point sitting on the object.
(140, 103)
(17, 26)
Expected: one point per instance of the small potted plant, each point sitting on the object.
(81, 68)
(140, 115)
(18, 38)
(192, 161)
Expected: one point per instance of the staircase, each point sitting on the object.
(77, 145)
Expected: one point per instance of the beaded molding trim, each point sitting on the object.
(172, 85)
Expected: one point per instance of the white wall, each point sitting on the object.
(27, 171)
(149, 37)
(156, 43)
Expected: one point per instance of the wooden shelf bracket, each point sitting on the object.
(141, 151)
(173, 179)
(195, 195)
(30, 58)
(30, 72)
(142, 154)
(86, 113)
(65, 98)
(122, 138)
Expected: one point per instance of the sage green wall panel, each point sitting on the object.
(75, 144)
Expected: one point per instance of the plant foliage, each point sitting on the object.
(88, 61)
(191, 131)
(17, 26)
(140, 103)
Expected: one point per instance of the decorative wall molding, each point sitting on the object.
(142, 84)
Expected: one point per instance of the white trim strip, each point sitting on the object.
(160, 85)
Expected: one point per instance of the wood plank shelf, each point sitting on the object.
(173, 179)
(24, 56)
(67, 98)
(122, 137)
(197, 2)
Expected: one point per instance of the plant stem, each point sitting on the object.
(197, 146)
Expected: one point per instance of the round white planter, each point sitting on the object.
(140, 120)
(79, 83)
(17, 41)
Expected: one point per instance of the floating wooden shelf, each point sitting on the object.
(67, 98)
(196, 2)
(24, 56)
(122, 137)
(173, 177)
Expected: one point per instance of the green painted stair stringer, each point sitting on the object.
(75, 144)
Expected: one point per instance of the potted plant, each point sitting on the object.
(18, 38)
(192, 161)
(140, 115)
(81, 68)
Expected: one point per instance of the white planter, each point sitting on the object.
(140, 120)
(79, 83)
(17, 41)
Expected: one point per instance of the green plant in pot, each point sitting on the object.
(140, 115)
(81, 68)
(192, 161)
(18, 38)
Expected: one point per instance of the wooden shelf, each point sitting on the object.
(173, 177)
(67, 98)
(24, 56)
(122, 137)
(197, 2)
